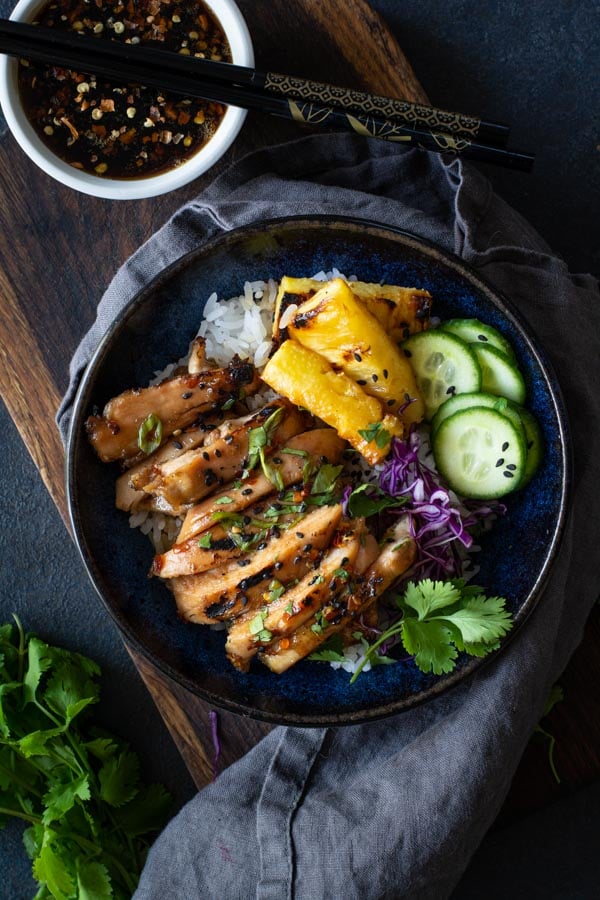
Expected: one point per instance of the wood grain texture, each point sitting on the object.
(58, 252)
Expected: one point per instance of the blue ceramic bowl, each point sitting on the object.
(155, 329)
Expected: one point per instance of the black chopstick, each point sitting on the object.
(401, 112)
(180, 74)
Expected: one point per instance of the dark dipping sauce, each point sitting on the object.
(123, 131)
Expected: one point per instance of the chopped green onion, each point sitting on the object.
(150, 434)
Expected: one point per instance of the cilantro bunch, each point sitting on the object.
(438, 620)
(79, 790)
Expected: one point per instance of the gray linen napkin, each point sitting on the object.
(393, 809)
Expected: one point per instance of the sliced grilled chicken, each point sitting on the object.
(196, 473)
(297, 604)
(242, 532)
(226, 591)
(197, 361)
(396, 556)
(318, 446)
(177, 402)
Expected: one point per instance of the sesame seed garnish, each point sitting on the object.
(505, 446)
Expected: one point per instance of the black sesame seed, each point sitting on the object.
(178, 445)
(187, 395)
(218, 454)
(390, 402)
(278, 566)
(451, 389)
(508, 474)
(243, 562)
(297, 560)
(246, 520)
(277, 460)
(307, 548)
(358, 357)
(210, 478)
(511, 467)
(300, 534)
(361, 381)
(385, 373)
(262, 545)
(374, 377)
(407, 353)
(243, 599)
(481, 337)
(345, 561)
(228, 439)
(500, 462)
(205, 455)
(246, 492)
(505, 446)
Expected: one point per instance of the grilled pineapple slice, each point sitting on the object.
(308, 380)
(401, 311)
(335, 324)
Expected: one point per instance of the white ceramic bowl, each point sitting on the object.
(242, 52)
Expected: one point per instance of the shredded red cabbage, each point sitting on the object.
(438, 519)
(214, 731)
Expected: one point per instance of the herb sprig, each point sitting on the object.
(259, 440)
(79, 790)
(441, 618)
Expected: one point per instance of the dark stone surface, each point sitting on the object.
(43, 582)
(529, 64)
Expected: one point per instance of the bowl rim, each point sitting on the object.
(236, 30)
(75, 435)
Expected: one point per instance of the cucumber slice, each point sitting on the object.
(480, 453)
(473, 331)
(533, 441)
(443, 365)
(499, 374)
(465, 401)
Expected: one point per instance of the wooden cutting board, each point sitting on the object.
(59, 249)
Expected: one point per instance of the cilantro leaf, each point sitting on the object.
(368, 499)
(441, 619)
(147, 811)
(61, 797)
(431, 645)
(331, 650)
(376, 432)
(70, 785)
(70, 690)
(39, 659)
(481, 620)
(259, 439)
(93, 881)
(427, 596)
(325, 479)
(50, 869)
(119, 778)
